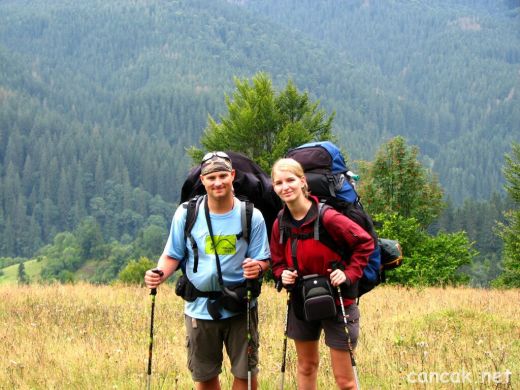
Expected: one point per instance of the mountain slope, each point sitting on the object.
(454, 65)
(98, 100)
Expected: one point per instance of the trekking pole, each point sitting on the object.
(248, 324)
(284, 354)
(349, 342)
(153, 293)
(282, 369)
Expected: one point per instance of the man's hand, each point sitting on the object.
(153, 278)
(253, 269)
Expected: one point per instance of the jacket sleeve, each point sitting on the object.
(346, 232)
(278, 260)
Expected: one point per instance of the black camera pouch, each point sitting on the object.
(317, 298)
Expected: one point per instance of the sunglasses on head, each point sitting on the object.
(210, 155)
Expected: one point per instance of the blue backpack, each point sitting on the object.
(328, 178)
(325, 170)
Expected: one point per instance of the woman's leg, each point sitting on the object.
(342, 369)
(308, 363)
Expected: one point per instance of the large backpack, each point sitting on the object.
(328, 179)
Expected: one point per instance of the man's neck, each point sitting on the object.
(221, 205)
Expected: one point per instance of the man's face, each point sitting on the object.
(218, 184)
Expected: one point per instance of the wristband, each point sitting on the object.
(261, 271)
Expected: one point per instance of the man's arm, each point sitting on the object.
(258, 248)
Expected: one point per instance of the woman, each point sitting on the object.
(296, 222)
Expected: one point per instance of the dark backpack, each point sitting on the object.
(328, 179)
(325, 170)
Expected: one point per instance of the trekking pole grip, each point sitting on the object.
(159, 272)
(280, 285)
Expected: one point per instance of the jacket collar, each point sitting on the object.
(309, 219)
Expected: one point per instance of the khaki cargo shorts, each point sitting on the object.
(204, 341)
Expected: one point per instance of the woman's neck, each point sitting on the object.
(300, 208)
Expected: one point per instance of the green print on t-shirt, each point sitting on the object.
(226, 245)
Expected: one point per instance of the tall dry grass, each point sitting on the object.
(96, 337)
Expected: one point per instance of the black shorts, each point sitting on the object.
(334, 328)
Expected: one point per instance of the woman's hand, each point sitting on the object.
(338, 277)
(289, 277)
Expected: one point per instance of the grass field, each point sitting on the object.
(32, 270)
(96, 337)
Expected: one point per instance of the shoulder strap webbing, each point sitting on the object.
(246, 216)
(321, 210)
(280, 227)
(323, 235)
(285, 231)
(191, 216)
(294, 246)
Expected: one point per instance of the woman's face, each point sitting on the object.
(287, 185)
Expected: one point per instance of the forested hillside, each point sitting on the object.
(98, 100)
(446, 74)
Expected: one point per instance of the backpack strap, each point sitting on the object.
(322, 234)
(285, 231)
(192, 211)
(321, 209)
(332, 185)
(294, 246)
(246, 216)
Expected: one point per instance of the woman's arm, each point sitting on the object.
(343, 230)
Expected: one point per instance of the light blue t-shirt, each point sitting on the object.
(231, 252)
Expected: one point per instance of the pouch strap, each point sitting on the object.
(210, 229)
(294, 247)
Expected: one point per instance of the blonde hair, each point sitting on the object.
(292, 166)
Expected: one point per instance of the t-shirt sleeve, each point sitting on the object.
(259, 243)
(176, 244)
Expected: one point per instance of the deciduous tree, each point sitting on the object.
(428, 260)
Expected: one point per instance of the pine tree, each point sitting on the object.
(396, 182)
(263, 124)
(22, 276)
(510, 232)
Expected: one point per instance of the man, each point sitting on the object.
(221, 246)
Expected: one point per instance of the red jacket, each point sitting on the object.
(314, 257)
